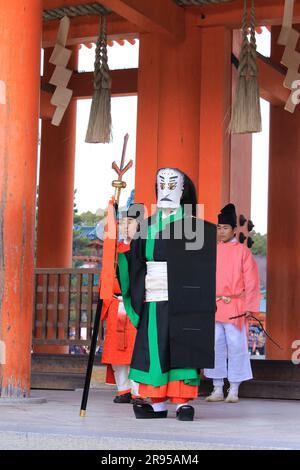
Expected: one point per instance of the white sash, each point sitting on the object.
(156, 282)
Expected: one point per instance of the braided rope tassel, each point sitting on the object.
(106, 79)
(97, 63)
(239, 110)
(254, 115)
(246, 115)
(243, 66)
(99, 127)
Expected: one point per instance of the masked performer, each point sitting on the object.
(168, 288)
(237, 293)
(120, 333)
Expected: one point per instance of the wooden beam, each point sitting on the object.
(271, 77)
(86, 29)
(124, 83)
(271, 82)
(46, 108)
(268, 12)
(158, 16)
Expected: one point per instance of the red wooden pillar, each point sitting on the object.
(168, 108)
(283, 268)
(214, 170)
(56, 191)
(20, 28)
(147, 118)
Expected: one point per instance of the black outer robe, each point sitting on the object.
(188, 318)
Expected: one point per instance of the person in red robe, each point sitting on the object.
(120, 332)
(237, 293)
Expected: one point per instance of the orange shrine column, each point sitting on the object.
(283, 268)
(168, 107)
(214, 149)
(20, 31)
(56, 183)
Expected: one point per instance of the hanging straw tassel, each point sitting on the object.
(246, 115)
(99, 127)
(254, 114)
(239, 113)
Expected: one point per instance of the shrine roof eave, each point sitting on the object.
(147, 16)
(128, 22)
(85, 29)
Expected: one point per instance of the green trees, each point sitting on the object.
(260, 244)
(87, 219)
(83, 226)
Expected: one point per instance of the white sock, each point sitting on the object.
(162, 406)
(180, 405)
(234, 387)
(218, 384)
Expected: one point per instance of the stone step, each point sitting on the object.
(66, 381)
(272, 379)
(14, 440)
(250, 389)
(75, 363)
(56, 381)
(61, 363)
(275, 389)
(266, 369)
(288, 390)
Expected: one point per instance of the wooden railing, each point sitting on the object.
(65, 303)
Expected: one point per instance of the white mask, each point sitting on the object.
(170, 184)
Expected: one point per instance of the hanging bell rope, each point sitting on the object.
(246, 115)
(99, 127)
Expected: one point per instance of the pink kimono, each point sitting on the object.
(237, 276)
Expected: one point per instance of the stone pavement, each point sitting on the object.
(55, 424)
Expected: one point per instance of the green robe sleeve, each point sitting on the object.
(124, 281)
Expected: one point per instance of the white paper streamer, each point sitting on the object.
(61, 75)
(288, 37)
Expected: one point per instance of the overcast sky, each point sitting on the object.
(93, 173)
(260, 154)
